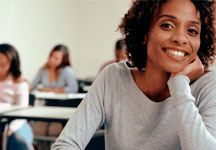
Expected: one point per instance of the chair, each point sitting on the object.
(83, 85)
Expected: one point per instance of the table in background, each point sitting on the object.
(5, 107)
(57, 99)
(42, 113)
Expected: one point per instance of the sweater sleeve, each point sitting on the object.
(88, 117)
(36, 80)
(21, 99)
(196, 125)
(71, 82)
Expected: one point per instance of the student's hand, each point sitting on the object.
(10, 132)
(46, 90)
(194, 70)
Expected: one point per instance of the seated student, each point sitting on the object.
(167, 101)
(57, 74)
(120, 53)
(14, 91)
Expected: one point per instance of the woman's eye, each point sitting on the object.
(166, 25)
(193, 31)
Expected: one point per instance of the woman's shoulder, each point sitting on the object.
(207, 79)
(42, 71)
(116, 70)
(116, 67)
(208, 75)
(21, 81)
(19, 84)
(66, 69)
(15, 84)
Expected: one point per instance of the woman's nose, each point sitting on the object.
(179, 37)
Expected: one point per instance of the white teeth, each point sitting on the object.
(173, 52)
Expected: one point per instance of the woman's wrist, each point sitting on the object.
(56, 90)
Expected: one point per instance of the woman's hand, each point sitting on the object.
(193, 70)
(10, 132)
(47, 90)
(56, 90)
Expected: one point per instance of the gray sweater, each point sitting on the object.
(186, 120)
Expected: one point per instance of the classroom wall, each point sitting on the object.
(87, 27)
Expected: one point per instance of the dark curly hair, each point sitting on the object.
(135, 25)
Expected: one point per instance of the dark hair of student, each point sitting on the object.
(135, 25)
(12, 54)
(66, 59)
(120, 45)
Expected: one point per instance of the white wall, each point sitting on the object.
(87, 27)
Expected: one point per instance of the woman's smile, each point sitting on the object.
(177, 54)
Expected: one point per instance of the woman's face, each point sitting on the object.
(55, 59)
(174, 36)
(4, 65)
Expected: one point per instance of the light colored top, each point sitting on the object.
(186, 120)
(65, 80)
(14, 94)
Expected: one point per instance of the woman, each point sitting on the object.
(14, 91)
(56, 75)
(168, 100)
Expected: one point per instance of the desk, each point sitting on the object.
(4, 108)
(57, 96)
(42, 113)
(59, 99)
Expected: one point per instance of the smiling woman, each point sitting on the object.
(167, 99)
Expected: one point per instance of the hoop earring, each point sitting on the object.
(145, 40)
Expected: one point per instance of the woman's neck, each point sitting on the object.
(53, 74)
(53, 69)
(153, 83)
(3, 77)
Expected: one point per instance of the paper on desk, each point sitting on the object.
(53, 95)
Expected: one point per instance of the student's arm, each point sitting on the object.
(196, 121)
(87, 119)
(71, 82)
(21, 99)
(36, 80)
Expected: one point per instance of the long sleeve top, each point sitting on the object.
(14, 94)
(66, 80)
(184, 121)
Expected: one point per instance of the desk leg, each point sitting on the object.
(5, 137)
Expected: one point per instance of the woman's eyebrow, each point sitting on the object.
(173, 17)
(169, 16)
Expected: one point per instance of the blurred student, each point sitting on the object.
(14, 91)
(120, 53)
(57, 74)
